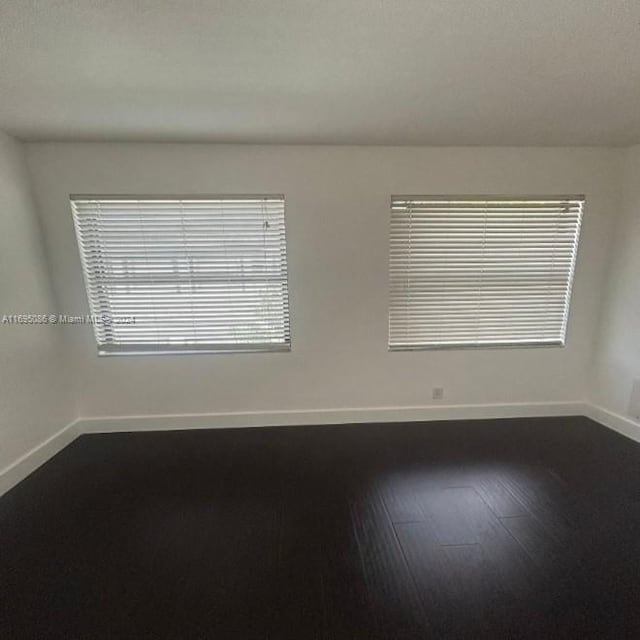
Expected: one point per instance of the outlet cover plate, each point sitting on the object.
(634, 402)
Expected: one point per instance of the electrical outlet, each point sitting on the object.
(437, 393)
(634, 402)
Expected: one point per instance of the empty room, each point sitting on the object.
(319, 320)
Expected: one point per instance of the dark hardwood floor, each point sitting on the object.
(487, 529)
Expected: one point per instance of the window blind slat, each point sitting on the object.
(193, 274)
(469, 272)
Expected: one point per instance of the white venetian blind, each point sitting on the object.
(185, 274)
(481, 271)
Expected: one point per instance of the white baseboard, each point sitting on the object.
(622, 424)
(31, 460)
(326, 416)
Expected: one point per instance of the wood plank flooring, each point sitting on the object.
(469, 530)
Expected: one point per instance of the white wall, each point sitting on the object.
(35, 398)
(617, 356)
(337, 202)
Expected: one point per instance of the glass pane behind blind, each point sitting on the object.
(193, 274)
(481, 272)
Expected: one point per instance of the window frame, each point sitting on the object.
(109, 350)
(581, 198)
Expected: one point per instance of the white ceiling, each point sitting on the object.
(452, 72)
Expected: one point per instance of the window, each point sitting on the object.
(185, 274)
(473, 272)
